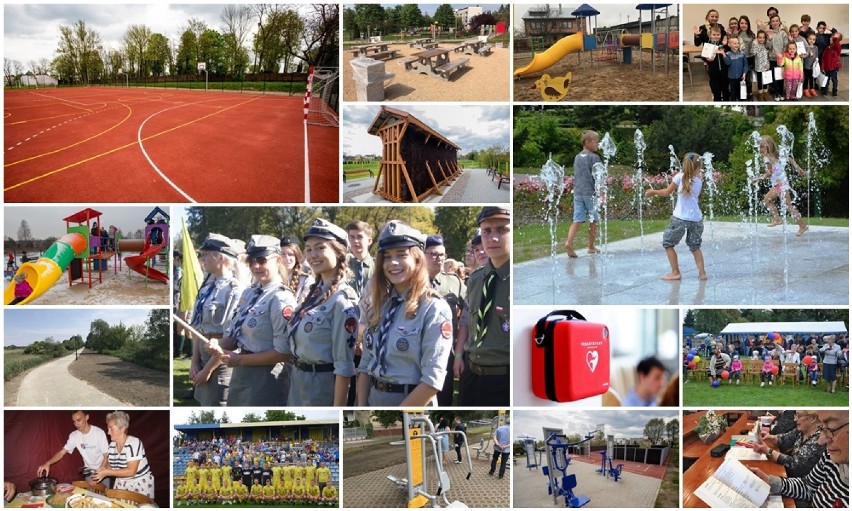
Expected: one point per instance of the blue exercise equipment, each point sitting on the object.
(609, 471)
(558, 459)
(533, 454)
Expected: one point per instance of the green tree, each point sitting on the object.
(386, 418)
(410, 17)
(211, 51)
(158, 54)
(320, 42)
(225, 419)
(251, 417)
(77, 57)
(208, 417)
(136, 40)
(187, 54)
(193, 418)
(282, 415)
(456, 225)
(714, 320)
(673, 431)
(236, 20)
(369, 17)
(445, 16)
(689, 319)
(655, 430)
(350, 23)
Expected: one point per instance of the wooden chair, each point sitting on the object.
(610, 398)
(753, 369)
(699, 373)
(98, 488)
(790, 370)
(130, 497)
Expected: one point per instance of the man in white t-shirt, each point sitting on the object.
(90, 440)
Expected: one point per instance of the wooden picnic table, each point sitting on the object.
(705, 465)
(368, 48)
(434, 62)
(471, 46)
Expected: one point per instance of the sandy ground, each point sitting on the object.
(128, 382)
(604, 81)
(485, 78)
(11, 387)
(124, 288)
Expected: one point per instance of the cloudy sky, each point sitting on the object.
(469, 127)
(31, 32)
(46, 221)
(610, 14)
(621, 423)
(23, 326)
(430, 8)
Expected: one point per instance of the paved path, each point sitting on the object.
(472, 187)
(373, 489)
(51, 384)
(747, 264)
(631, 490)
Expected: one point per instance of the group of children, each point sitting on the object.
(298, 485)
(687, 218)
(806, 59)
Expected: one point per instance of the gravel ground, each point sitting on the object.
(486, 78)
(128, 382)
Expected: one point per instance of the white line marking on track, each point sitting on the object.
(142, 147)
(307, 169)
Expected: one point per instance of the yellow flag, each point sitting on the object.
(192, 274)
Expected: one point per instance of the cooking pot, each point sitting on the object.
(43, 486)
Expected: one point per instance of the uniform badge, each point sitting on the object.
(505, 326)
(368, 341)
(446, 329)
(309, 326)
(402, 345)
(251, 323)
(351, 325)
(287, 312)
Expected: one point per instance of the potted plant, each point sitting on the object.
(711, 426)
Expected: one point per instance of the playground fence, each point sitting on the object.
(354, 434)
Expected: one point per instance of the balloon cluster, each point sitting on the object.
(692, 359)
(774, 336)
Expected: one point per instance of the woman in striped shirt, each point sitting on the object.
(126, 460)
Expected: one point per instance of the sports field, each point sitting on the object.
(137, 145)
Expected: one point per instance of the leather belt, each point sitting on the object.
(315, 368)
(396, 388)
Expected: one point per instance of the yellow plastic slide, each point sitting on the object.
(542, 61)
(41, 275)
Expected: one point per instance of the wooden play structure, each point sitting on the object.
(416, 159)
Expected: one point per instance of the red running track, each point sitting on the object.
(153, 145)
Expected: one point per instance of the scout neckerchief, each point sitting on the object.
(381, 341)
(199, 302)
(488, 289)
(245, 312)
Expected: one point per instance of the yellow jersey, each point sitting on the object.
(310, 472)
(256, 490)
(299, 490)
(329, 492)
(216, 477)
(323, 474)
(191, 474)
(227, 492)
(313, 490)
(269, 491)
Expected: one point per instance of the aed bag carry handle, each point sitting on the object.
(544, 338)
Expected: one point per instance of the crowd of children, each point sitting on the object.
(815, 357)
(770, 61)
(225, 472)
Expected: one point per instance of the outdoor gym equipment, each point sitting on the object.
(533, 454)
(558, 459)
(416, 484)
(607, 456)
(485, 441)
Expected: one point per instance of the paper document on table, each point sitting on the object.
(774, 501)
(733, 485)
(744, 453)
(708, 50)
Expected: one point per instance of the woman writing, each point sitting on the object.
(409, 329)
(321, 333)
(126, 460)
(215, 305)
(259, 323)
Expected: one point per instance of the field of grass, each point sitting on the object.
(16, 362)
(533, 241)
(181, 385)
(669, 494)
(699, 393)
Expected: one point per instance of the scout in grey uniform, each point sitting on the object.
(259, 323)
(321, 334)
(451, 288)
(361, 263)
(405, 355)
(298, 279)
(482, 350)
(215, 306)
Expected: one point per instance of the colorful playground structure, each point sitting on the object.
(611, 42)
(155, 241)
(85, 255)
(419, 430)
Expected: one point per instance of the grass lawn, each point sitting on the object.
(15, 362)
(699, 393)
(669, 494)
(533, 241)
(354, 166)
(180, 378)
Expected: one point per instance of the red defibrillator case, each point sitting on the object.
(570, 357)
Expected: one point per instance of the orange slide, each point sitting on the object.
(137, 262)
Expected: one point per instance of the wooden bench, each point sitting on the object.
(407, 62)
(460, 48)
(450, 67)
(353, 172)
(429, 46)
(485, 49)
(355, 53)
(390, 54)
